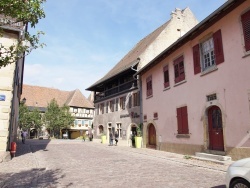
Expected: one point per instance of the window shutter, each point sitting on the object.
(179, 120)
(184, 120)
(245, 19)
(218, 47)
(196, 58)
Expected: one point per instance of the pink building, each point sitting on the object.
(196, 93)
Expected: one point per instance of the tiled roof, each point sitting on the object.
(131, 57)
(37, 96)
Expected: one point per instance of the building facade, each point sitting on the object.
(11, 79)
(195, 94)
(117, 95)
(80, 108)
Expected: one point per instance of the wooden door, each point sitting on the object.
(151, 135)
(215, 129)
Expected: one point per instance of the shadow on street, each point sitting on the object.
(31, 145)
(31, 178)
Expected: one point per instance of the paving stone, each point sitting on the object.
(73, 163)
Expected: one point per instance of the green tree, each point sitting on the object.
(57, 118)
(29, 118)
(23, 116)
(24, 12)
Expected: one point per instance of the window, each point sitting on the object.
(209, 52)
(245, 20)
(179, 69)
(111, 106)
(119, 129)
(136, 99)
(149, 86)
(130, 102)
(102, 108)
(116, 104)
(107, 107)
(182, 120)
(166, 76)
(122, 103)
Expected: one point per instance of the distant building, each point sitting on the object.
(11, 80)
(117, 95)
(196, 93)
(80, 107)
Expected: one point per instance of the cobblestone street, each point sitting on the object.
(73, 163)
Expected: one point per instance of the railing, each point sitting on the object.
(116, 90)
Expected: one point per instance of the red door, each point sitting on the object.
(215, 130)
(151, 136)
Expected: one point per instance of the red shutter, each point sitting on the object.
(184, 116)
(218, 47)
(245, 19)
(196, 58)
(179, 121)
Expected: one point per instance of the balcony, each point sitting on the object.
(116, 90)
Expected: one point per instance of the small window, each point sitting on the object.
(122, 103)
(130, 102)
(182, 120)
(145, 117)
(116, 104)
(107, 107)
(245, 20)
(136, 99)
(111, 106)
(166, 76)
(155, 115)
(149, 86)
(179, 69)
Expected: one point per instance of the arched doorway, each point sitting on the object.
(151, 136)
(33, 133)
(215, 129)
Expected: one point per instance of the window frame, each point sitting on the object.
(178, 69)
(149, 86)
(166, 76)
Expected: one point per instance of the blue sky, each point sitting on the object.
(86, 38)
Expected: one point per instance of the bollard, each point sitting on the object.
(13, 149)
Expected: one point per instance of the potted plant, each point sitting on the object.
(103, 138)
(138, 137)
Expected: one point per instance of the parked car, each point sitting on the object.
(238, 174)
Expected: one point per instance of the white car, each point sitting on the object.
(238, 174)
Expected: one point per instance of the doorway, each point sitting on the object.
(151, 136)
(215, 129)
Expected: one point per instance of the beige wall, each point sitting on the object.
(10, 80)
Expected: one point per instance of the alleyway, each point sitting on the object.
(69, 163)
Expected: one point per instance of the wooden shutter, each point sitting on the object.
(196, 58)
(218, 47)
(179, 121)
(182, 120)
(245, 19)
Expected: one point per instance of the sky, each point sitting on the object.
(86, 38)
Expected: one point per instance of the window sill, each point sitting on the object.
(181, 82)
(209, 70)
(149, 96)
(246, 54)
(167, 88)
(183, 136)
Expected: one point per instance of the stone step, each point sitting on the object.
(213, 157)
